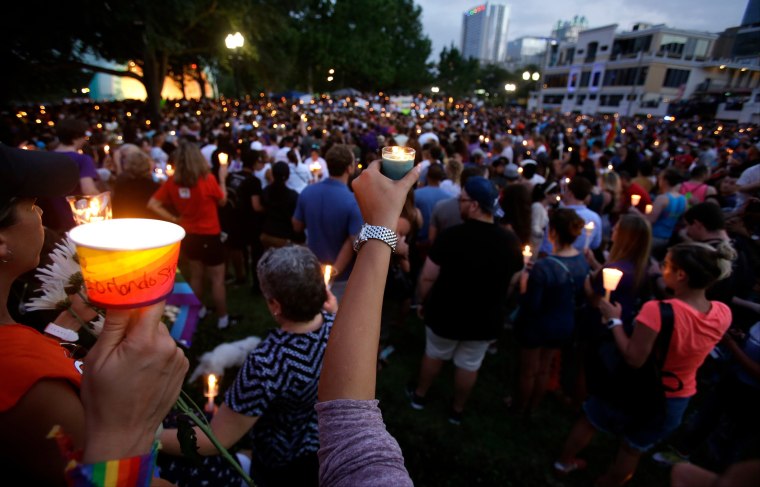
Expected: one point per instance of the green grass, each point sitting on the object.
(491, 448)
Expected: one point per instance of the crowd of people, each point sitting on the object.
(506, 227)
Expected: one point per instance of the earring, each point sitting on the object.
(10, 257)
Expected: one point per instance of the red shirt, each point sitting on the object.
(28, 357)
(197, 206)
(695, 334)
(634, 188)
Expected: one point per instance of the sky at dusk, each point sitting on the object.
(442, 19)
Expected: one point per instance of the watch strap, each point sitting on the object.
(368, 232)
(65, 334)
(613, 322)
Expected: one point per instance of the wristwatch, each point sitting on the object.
(380, 233)
(614, 322)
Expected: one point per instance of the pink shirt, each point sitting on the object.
(695, 334)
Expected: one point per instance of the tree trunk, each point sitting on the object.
(154, 71)
(201, 80)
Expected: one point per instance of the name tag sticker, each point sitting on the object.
(184, 193)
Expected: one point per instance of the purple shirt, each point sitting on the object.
(86, 168)
(355, 448)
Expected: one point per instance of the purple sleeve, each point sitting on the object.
(87, 167)
(355, 448)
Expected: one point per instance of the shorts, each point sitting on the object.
(206, 248)
(468, 354)
(608, 419)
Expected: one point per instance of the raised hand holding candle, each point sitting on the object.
(527, 254)
(648, 209)
(128, 262)
(223, 158)
(397, 161)
(635, 199)
(610, 280)
(211, 391)
(589, 227)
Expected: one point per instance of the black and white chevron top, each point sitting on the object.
(278, 382)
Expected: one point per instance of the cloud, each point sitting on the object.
(442, 19)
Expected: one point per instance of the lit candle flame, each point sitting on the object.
(223, 158)
(648, 209)
(527, 254)
(635, 199)
(328, 274)
(169, 170)
(589, 227)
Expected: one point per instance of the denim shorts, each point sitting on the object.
(605, 417)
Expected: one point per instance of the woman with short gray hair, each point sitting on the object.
(273, 396)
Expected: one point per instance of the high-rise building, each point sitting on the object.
(484, 33)
(526, 50)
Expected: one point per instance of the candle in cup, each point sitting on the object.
(128, 262)
(635, 199)
(589, 230)
(169, 170)
(610, 280)
(212, 389)
(527, 254)
(648, 209)
(223, 158)
(397, 161)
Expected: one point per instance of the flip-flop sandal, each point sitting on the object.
(566, 468)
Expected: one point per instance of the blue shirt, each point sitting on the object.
(580, 242)
(425, 199)
(331, 214)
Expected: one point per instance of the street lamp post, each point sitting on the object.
(233, 43)
(535, 76)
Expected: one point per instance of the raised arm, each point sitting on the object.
(350, 363)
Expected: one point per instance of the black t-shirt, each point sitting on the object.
(477, 261)
(241, 186)
(131, 195)
(279, 204)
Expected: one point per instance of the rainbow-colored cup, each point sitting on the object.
(128, 262)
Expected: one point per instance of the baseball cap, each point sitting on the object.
(256, 145)
(483, 191)
(511, 172)
(525, 162)
(427, 126)
(32, 174)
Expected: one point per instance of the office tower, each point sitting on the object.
(484, 33)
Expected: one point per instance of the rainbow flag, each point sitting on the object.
(609, 140)
(189, 305)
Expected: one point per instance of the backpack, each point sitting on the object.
(638, 392)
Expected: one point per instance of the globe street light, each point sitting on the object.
(435, 89)
(510, 87)
(233, 42)
(526, 75)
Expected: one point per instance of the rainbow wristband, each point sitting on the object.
(126, 472)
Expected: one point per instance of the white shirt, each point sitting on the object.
(750, 175)
(159, 157)
(282, 154)
(208, 151)
(323, 172)
(427, 137)
(450, 187)
(509, 153)
(261, 174)
(299, 177)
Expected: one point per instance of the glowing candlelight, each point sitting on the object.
(648, 209)
(128, 262)
(589, 230)
(169, 170)
(328, 274)
(397, 161)
(88, 209)
(610, 280)
(211, 390)
(567, 180)
(610, 167)
(223, 158)
(519, 171)
(107, 149)
(635, 199)
(527, 254)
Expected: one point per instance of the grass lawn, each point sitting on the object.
(490, 448)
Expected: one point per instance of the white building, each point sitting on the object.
(484, 33)
(638, 72)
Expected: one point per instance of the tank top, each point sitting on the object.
(663, 227)
(694, 192)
